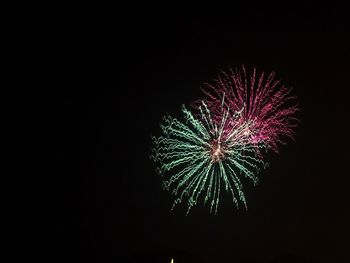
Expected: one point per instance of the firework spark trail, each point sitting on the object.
(266, 103)
(200, 156)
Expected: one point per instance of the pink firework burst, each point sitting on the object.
(266, 103)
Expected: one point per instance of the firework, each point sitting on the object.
(201, 156)
(265, 102)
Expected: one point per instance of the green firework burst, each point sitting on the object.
(200, 157)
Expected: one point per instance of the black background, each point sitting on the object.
(96, 87)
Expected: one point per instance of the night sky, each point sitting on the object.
(96, 88)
